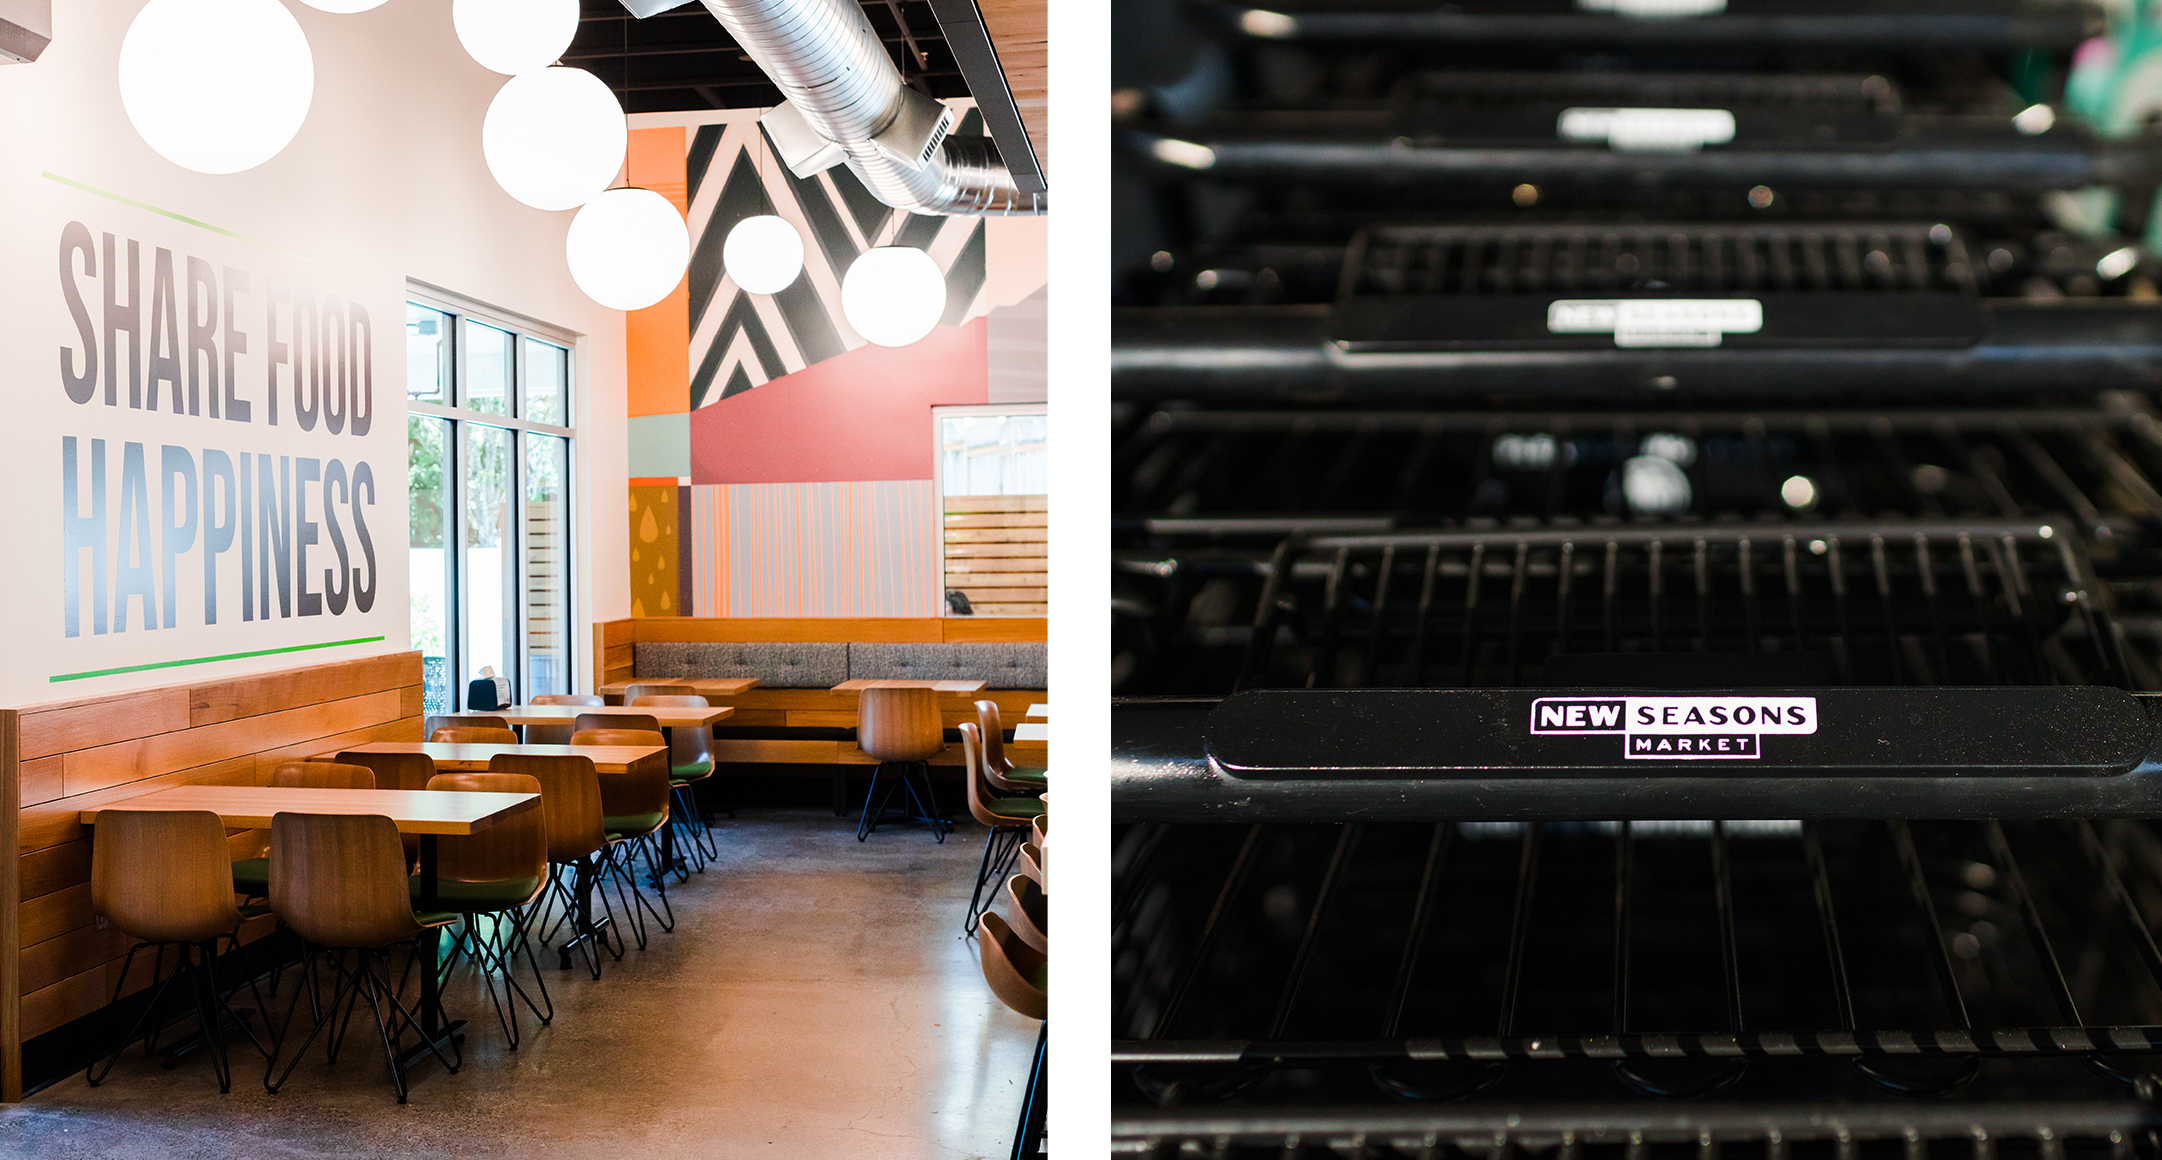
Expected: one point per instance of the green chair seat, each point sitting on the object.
(690, 771)
(1015, 807)
(251, 877)
(1028, 774)
(479, 897)
(632, 825)
(252, 910)
(1040, 978)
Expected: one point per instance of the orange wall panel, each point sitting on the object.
(658, 337)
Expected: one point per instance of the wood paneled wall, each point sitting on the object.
(997, 552)
(612, 639)
(63, 756)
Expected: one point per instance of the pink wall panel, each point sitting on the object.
(863, 415)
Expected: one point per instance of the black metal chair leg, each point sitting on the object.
(1028, 1130)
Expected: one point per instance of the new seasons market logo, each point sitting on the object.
(1678, 728)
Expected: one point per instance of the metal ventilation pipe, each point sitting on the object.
(847, 105)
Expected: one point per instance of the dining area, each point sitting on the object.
(456, 914)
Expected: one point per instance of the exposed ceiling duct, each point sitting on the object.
(848, 105)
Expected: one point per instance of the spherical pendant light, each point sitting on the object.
(628, 248)
(216, 86)
(514, 36)
(342, 6)
(764, 254)
(893, 295)
(554, 138)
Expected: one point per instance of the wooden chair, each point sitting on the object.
(474, 735)
(1003, 774)
(1031, 917)
(1006, 820)
(901, 727)
(339, 882)
(628, 814)
(617, 721)
(536, 734)
(690, 761)
(251, 876)
(633, 694)
(577, 842)
(161, 877)
(463, 720)
(408, 771)
(500, 871)
(1016, 974)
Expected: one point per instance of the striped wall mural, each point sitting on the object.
(813, 549)
(741, 341)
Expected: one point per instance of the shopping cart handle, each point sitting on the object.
(1831, 732)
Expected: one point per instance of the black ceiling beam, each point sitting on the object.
(962, 25)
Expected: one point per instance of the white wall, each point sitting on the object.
(385, 182)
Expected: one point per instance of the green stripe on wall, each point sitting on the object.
(238, 656)
(108, 195)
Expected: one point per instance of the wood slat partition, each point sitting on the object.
(997, 552)
(64, 756)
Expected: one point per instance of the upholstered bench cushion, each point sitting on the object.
(777, 664)
(1020, 665)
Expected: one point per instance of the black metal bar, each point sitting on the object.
(1827, 917)
(1212, 929)
(2143, 935)
(1624, 906)
(1378, 616)
(1427, 580)
(1471, 611)
(1918, 885)
(1881, 568)
(1749, 595)
(1657, 574)
(1347, 840)
(1791, 558)
(1607, 592)
(2023, 898)
(1985, 609)
(1835, 568)
(1704, 595)
(1516, 614)
(1422, 915)
(1723, 895)
(1527, 876)
(1565, 578)
(1926, 567)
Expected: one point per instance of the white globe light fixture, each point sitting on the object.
(513, 36)
(216, 86)
(764, 254)
(343, 6)
(893, 295)
(628, 248)
(554, 138)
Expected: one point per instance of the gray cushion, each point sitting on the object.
(1002, 666)
(661, 658)
(777, 664)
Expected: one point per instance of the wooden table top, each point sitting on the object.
(1040, 710)
(670, 716)
(413, 811)
(704, 686)
(455, 758)
(859, 685)
(1032, 731)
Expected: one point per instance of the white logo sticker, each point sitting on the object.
(1637, 322)
(1654, 7)
(1679, 728)
(1648, 130)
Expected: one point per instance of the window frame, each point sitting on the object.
(463, 312)
(938, 480)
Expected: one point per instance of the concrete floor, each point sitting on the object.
(815, 1000)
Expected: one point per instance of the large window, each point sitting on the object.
(488, 433)
(993, 480)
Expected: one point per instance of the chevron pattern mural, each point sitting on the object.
(741, 341)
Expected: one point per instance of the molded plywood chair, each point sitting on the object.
(1014, 969)
(407, 771)
(1007, 819)
(474, 735)
(1004, 775)
(463, 720)
(499, 872)
(633, 694)
(901, 727)
(618, 721)
(161, 877)
(633, 822)
(571, 811)
(557, 734)
(251, 876)
(690, 761)
(339, 881)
